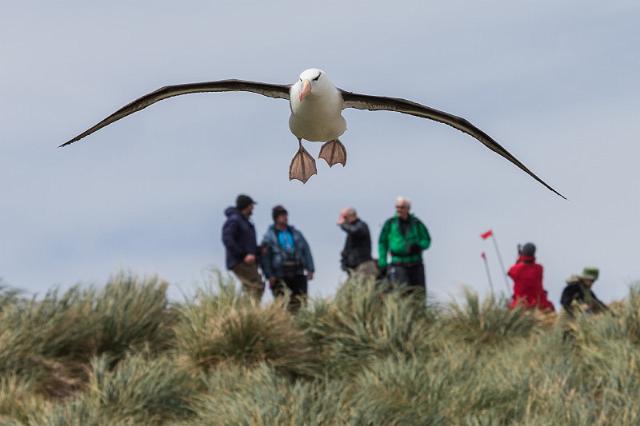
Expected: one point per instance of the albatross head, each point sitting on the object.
(312, 81)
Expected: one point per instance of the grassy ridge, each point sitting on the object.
(123, 355)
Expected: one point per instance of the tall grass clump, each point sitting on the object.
(364, 323)
(398, 392)
(18, 400)
(225, 327)
(260, 395)
(132, 313)
(50, 340)
(139, 390)
(46, 341)
(486, 322)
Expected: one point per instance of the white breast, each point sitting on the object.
(318, 118)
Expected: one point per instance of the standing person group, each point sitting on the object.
(285, 256)
(287, 264)
(529, 292)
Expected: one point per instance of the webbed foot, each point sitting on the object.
(334, 152)
(302, 166)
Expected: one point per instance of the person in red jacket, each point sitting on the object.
(527, 281)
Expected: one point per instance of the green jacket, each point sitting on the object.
(393, 241)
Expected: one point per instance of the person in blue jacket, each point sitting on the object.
(286, 259)
(239, 239)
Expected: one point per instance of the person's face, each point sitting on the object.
(282, 220)
(350, 217)
(403, 210)
(247, 211)
(588, 282)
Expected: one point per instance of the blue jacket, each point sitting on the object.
(273, 255)
(238, 237)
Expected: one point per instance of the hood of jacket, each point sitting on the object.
(231, 211)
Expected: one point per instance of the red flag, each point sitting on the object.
(487, 234)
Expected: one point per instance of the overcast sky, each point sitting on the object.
(556, 83)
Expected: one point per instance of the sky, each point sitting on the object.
(556, 83)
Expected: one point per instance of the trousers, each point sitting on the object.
(250, 279)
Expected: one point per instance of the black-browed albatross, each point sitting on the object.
(316, 116)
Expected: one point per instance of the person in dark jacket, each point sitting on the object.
(527, 281)
(286, 260)
(579, 295)
(405, 237)
(239, 239)
(356, 254)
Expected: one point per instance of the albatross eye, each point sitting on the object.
(316, 79)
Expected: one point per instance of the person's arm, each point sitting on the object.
(307, 258)
(513, 271)
(357, 229)
(265, 259)
(598, 301)
(424, 238)
(229, 232)
(383, 245)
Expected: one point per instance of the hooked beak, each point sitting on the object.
(306, 89)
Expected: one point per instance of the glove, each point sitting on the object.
(415, 249)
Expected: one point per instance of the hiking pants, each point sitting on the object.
(249, 276)
(297, 285)
(408, 275)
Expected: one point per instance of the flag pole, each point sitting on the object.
(504, 271)
(486, 268)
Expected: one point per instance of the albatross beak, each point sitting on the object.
(306, 89)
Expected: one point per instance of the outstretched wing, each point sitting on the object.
(271, 90)
(374, 103)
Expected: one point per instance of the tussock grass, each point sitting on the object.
(224, 328)
(139, 390)
(122, 354)
(364, 323)
(240, 396)
(18, 400)
(51, 340)
(486, 322)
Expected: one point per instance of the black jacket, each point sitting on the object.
(357, 247)
(583, 295)
(238, 237)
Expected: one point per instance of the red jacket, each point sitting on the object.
(527, 284)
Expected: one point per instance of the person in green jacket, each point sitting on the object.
(404, 237)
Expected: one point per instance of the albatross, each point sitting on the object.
(316, 116)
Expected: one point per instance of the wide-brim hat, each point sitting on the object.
(574, 279)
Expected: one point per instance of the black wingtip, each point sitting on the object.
(67, 143)
(553, 190)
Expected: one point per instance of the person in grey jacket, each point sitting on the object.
(286, 259)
